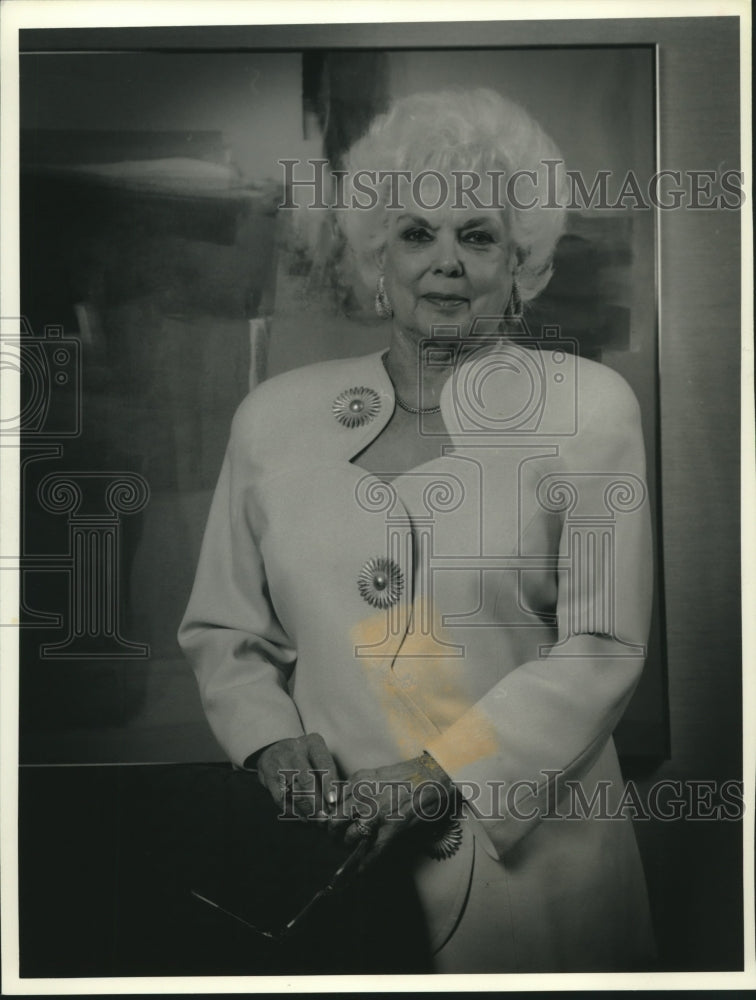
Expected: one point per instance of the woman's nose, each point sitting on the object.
(449, 265)
(447, 260)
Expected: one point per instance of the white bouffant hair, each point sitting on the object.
(473, 130)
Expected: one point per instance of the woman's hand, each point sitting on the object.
(300, 774)
(381, 803)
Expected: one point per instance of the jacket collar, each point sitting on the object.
(369, 372)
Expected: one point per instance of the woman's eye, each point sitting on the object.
(416, 235)
(478, 236)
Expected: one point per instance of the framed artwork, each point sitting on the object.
(160, 250)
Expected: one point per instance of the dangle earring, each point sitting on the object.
(514, 307)
(382, 305)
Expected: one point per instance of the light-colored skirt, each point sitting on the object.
(563, 920)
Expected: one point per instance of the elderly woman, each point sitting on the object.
(427, 570)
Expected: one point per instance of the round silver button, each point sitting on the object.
(380, 582)
(357, 406)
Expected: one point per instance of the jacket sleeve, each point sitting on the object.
(551, 717)
(240, 654)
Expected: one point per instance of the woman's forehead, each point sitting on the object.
(447, 214)
(456, 196)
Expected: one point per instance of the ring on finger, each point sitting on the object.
(363, 828)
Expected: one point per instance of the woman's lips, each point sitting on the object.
(445, 302)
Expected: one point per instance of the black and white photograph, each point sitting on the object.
(375, 533)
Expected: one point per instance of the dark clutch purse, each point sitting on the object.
(280, 884)
(278, 889)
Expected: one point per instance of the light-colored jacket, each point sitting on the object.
(504, 633)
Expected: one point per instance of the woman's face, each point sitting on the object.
(446, 266)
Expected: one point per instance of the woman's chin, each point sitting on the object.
(459, 327)
(422, 326)
(454, 321)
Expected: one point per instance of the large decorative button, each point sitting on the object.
(380, 582)
(356, 407)
(447, 842)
